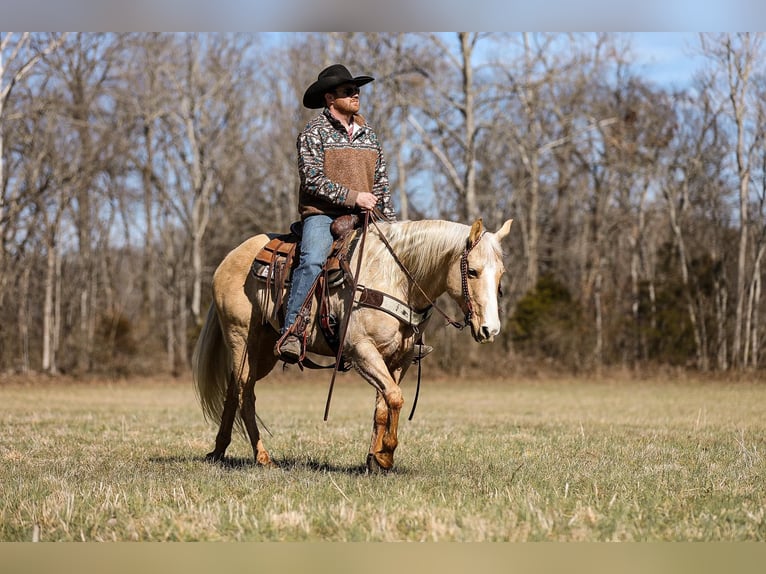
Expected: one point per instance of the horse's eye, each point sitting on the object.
(473, 273)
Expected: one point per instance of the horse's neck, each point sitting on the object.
(426, 249)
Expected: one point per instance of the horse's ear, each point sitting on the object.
(476, 230)
(504, 230)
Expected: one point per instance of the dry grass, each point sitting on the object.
(487, 461)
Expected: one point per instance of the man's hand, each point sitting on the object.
(366, 200)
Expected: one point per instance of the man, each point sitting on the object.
(342, 170)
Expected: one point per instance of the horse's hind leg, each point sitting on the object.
(262, 360)
(223, 438)
(260, 453)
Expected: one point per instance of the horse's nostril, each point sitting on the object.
(485, 332)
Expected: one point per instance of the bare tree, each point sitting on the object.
(197, 145)
(734, 58)
(19, 54)
(143, 97)
(83, 76)
(47, 180)
(447, 118)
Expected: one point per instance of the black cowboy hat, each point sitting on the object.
(329, 78)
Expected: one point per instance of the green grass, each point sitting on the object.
(487, 461)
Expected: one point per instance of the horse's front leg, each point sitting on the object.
(388, 405)
(384, 438)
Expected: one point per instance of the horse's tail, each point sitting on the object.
(211, 367)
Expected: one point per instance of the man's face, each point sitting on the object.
(345, 99)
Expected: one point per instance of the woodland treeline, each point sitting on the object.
(131, 163)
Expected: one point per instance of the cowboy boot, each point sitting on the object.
(289, 349)
(421, 351)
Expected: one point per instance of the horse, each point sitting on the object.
(411, 262)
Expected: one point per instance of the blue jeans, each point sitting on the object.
(316, 243)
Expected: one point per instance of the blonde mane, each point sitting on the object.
(422, 246)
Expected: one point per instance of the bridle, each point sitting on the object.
(469, 246)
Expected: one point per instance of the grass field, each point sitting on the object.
(521, 460)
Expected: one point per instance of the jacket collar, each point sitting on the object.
(358, 120)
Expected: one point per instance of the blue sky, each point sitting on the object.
(668, 58)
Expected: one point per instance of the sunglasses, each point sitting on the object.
(347, 92)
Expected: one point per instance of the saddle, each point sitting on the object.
(275, 262)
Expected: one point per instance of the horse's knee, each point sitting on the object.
(394, 398)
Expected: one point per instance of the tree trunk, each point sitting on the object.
(683, 265)
(751, 351)
(49, 347)
(182, 328)
(721, 310)
(170, 329)
(598, 351)
(737, 346)
(469, 129)
(148, 284)
(23, 319)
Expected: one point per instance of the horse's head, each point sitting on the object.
(474, 282)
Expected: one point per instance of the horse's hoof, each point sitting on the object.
(214, 456)
(376, 466)
(264, 460)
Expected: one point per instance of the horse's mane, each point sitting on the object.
(421, 246)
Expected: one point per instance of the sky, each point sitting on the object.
(667, 58)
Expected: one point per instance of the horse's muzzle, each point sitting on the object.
(484, 334)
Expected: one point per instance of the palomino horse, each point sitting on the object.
(235, 347)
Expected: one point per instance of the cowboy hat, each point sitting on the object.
(329, 78)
